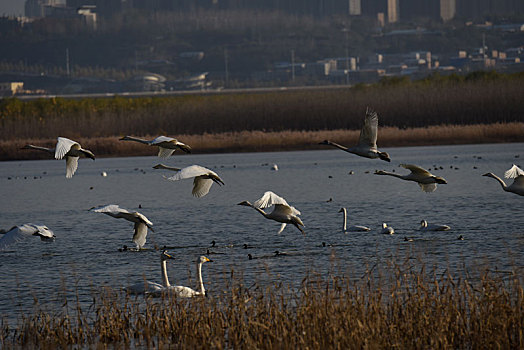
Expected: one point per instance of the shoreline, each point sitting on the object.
(260, 141)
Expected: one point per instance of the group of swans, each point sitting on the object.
(155, 289)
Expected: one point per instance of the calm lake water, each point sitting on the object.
(85, 254)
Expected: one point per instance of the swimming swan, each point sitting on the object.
(147, 287)
(427, 181)
(141, 222)
(186, 292)
(514, 172)
(67, 148)
(21, 232)
(354, 228)
(387, 230)
(204, 177)
(166, 145)
(367, 142)
(424, 226)
(283, 212)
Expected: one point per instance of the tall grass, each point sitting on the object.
(256, 141)
(401, 306)
(403, 105)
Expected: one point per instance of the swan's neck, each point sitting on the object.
(200, 285)
(502, 183)
(260, 211)
(344, 225)
(334, 144)
(40, 148)
(165, 280)
(130, 138)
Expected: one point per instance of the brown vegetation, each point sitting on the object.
(256, 141)
(408, 308)
(432, 111)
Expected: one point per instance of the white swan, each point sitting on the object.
(283, 212)
(186, 292)
(147, 287)
(350, 228)
(204, 177)
(427, 181)
(166, 145)
(387, 230)
(21, 232)
(67, 148)
(424, 226)
(141, 222)
(367, 142)
(514, 172)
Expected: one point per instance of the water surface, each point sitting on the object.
(85, 254)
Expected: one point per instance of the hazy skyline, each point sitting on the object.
(14, 7)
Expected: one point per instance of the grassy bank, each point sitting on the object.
(479, 107)
(256, 141)
(411, 309)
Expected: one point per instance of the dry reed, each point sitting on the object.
(403, 306)
(254, 141)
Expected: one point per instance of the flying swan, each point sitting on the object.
(367, 142)
(427, 181)
(182, 291)
(351, 228)
(204, 177)
(514, 172)
(147, 287)
(21, 232)
(166, 145)
(69, 149)
(141, 222)
(424, 226)
(283, 212)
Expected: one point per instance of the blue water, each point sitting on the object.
(85, 254)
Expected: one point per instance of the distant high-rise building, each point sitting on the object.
(34, 8)
(393, 11)
(355, 7)
(447, 9)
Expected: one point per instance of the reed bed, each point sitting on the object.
(402, 305)
(255, 141)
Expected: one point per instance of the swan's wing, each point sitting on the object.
(368, 134)
(142, 218)
(513, 172)
(110, 209)
(145, 287)
(428, 187)
(161, 139)
(140, 234)
(43, 231)
(201, 186)
(20, 233)
(519, 181)
(284, 209)
(282, 227)
(268, 199)
(71, 166)
(63, 146)
(183, 292)
(165, 152)
(189, 172)
(415, 169)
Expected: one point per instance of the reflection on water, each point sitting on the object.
(318, 183)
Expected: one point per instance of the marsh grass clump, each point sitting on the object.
(403, 306)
